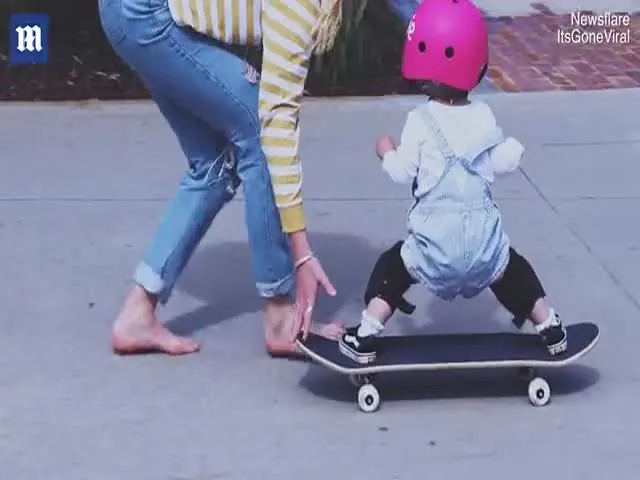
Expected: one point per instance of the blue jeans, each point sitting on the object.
(209, 97)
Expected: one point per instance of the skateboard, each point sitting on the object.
(522, 351)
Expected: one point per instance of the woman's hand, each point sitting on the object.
(309, 275)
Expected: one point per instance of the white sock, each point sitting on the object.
(369, 325)
(549, 322)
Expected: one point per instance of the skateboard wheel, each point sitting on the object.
(539, 392)
(368, 398)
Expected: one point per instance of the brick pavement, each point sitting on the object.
(526, 55)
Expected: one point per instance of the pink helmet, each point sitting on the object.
(447, 43)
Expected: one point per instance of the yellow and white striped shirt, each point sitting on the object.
(285, 28)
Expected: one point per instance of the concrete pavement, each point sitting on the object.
(81, 190)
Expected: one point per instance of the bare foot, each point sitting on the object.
(277, 341)
(283, 347)
(137, 330)
(332, 331)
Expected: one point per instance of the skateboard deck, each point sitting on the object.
(458, 351)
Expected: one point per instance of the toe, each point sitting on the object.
(172, 344)
(332, 331)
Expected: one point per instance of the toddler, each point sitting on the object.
(450, 150)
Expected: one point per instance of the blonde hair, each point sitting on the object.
(328, 26)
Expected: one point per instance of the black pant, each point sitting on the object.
(519, 287)
(517, 290)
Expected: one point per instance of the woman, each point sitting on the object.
(227, 120)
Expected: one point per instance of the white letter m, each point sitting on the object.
(29, 38)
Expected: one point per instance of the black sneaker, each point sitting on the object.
(555, 337)
(359, 349)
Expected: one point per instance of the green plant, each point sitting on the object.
(370, 40)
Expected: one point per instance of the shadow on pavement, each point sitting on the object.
(404, 386)
(436, 316)
(221, 276)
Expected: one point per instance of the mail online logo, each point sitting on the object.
(28, 38)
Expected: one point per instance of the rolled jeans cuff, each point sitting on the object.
(153, 283)
(148, 279)
(284, 287)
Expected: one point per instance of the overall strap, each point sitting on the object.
(441, 143)
(432, 124)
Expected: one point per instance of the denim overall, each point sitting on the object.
(456, 243)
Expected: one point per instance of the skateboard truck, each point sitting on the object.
(406, 307)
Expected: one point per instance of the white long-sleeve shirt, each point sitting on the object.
(466, 129)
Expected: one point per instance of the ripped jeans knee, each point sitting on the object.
(219, 173)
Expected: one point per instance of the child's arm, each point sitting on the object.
(505, 157)
(401, 163)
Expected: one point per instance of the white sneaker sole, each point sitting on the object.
(361, 358)
(558, 348)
